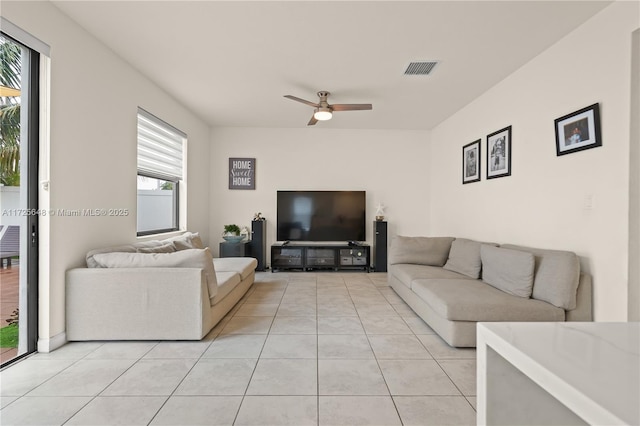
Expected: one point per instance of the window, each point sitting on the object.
(160, 171)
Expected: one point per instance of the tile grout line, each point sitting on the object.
(393, 401)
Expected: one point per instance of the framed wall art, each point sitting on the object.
(499, 153)
(242, 173)
(471, 162)
(578, 131)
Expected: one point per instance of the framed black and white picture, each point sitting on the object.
(471, 162)
(578, 131)
(499, 153)
(242, 173)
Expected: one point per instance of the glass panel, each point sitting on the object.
(15, 208)
(157, 204)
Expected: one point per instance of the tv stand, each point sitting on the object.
(320, 256)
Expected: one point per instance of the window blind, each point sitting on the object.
(159, 147)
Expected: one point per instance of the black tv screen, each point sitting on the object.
(321, 215)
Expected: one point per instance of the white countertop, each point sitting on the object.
(592, 368)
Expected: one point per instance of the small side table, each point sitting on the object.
(228, 249)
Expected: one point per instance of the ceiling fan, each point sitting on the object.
(323, 110)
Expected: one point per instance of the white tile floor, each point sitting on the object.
(300, 348)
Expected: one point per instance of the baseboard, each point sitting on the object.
(53, 343)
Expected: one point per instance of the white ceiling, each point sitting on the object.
(231, 62)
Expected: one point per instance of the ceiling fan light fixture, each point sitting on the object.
(322, 114)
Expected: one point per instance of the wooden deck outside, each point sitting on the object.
(9, 297)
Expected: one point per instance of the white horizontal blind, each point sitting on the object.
(159, 147)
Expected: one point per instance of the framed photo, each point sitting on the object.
(471, 162)
(242, 173)
(578, 131)
(499, 153)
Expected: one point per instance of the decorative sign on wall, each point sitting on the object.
(242, 173)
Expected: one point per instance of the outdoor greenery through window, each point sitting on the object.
(10, 71)
(160, 171)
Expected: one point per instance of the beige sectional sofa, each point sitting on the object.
(156, 290)
(454, 283)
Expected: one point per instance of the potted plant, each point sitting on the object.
(232, 233)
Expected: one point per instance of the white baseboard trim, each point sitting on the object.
(52, 343)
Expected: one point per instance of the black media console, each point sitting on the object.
(317, 256)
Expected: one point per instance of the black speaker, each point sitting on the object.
(380, 246)
(258, 246)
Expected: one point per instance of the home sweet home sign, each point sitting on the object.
(242, 173)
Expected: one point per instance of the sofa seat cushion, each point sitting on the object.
(474, 300)
(227, 281)
(244, 266)
(406, 273)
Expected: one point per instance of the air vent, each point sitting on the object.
(420, 68)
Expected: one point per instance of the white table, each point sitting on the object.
(558, 373)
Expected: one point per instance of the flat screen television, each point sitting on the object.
(321, 215)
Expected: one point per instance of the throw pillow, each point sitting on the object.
(557, 276)
(464, 258)
(508, 270)
(191, 258)
(91, 263)
(186, 241)
(164, 248)
(432, 251)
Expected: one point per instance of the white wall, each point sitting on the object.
(543, 203)
(94, 100)
(390, 165)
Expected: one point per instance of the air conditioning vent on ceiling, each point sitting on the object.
(420, 68)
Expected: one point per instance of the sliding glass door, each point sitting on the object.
(19, 131)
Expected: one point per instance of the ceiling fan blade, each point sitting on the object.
(351, 107)
(313, 121)
(295, 98)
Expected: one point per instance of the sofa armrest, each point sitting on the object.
(433, 251)
(136, 303)
(584, 301)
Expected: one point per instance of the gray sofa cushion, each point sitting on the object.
(91, 263)
(227, 281)
(557, 274)
(192, 258)
(474, 300)
(508, 270)
(407, 272)
(432, 251)
(164, 248)
(186, 241)
(464, 258)
(244, 266)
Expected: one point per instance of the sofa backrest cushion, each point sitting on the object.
(186, 241)
(557, 274)
(464, 257)
(508, 270)
(164, 248)
(191, 258)
(91, 263)
(432, 251)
